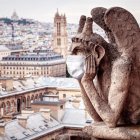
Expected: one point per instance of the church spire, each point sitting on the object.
(57, 13)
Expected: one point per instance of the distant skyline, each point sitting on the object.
(44, 10)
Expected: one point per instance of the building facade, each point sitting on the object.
(33, 64)
(4, 51)
(19, 100)
(60, 34)
(41, 113)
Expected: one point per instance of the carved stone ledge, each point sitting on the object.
(75, 136)
(101, 131)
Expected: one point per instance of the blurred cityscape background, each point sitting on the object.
(38, 98)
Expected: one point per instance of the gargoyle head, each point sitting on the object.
(84, 42)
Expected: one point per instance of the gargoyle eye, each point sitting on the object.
(77, 50)
(73, 39)
(77, 39)
(87, 42)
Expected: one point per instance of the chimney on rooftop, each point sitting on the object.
(45, 113)
(76, 103)
(2, 127)
(22, 120)
(27, 112)
(6, 84)
(8, 117)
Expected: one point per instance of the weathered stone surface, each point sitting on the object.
(110, 86)
(100, 130)
(75, 136)
(62, 137)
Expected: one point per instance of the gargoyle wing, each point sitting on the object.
(123, 26)
(98, 17)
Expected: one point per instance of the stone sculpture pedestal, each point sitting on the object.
(101, 131)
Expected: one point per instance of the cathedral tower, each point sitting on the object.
(60, 34)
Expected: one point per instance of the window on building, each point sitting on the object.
(58, 41)
(64, 95)
(58, 29)
(61, 107)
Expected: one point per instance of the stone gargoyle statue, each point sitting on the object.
(109, 73)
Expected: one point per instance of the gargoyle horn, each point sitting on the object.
(81, 24)
(87, 32)
(77, 37)
(80, 29)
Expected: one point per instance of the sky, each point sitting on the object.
(44, 10)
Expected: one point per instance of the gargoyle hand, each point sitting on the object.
(90, 68)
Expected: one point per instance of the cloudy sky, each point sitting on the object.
(44, 10)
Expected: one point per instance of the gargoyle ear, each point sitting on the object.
(99, 53)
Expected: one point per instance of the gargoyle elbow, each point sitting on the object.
(111, 125)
